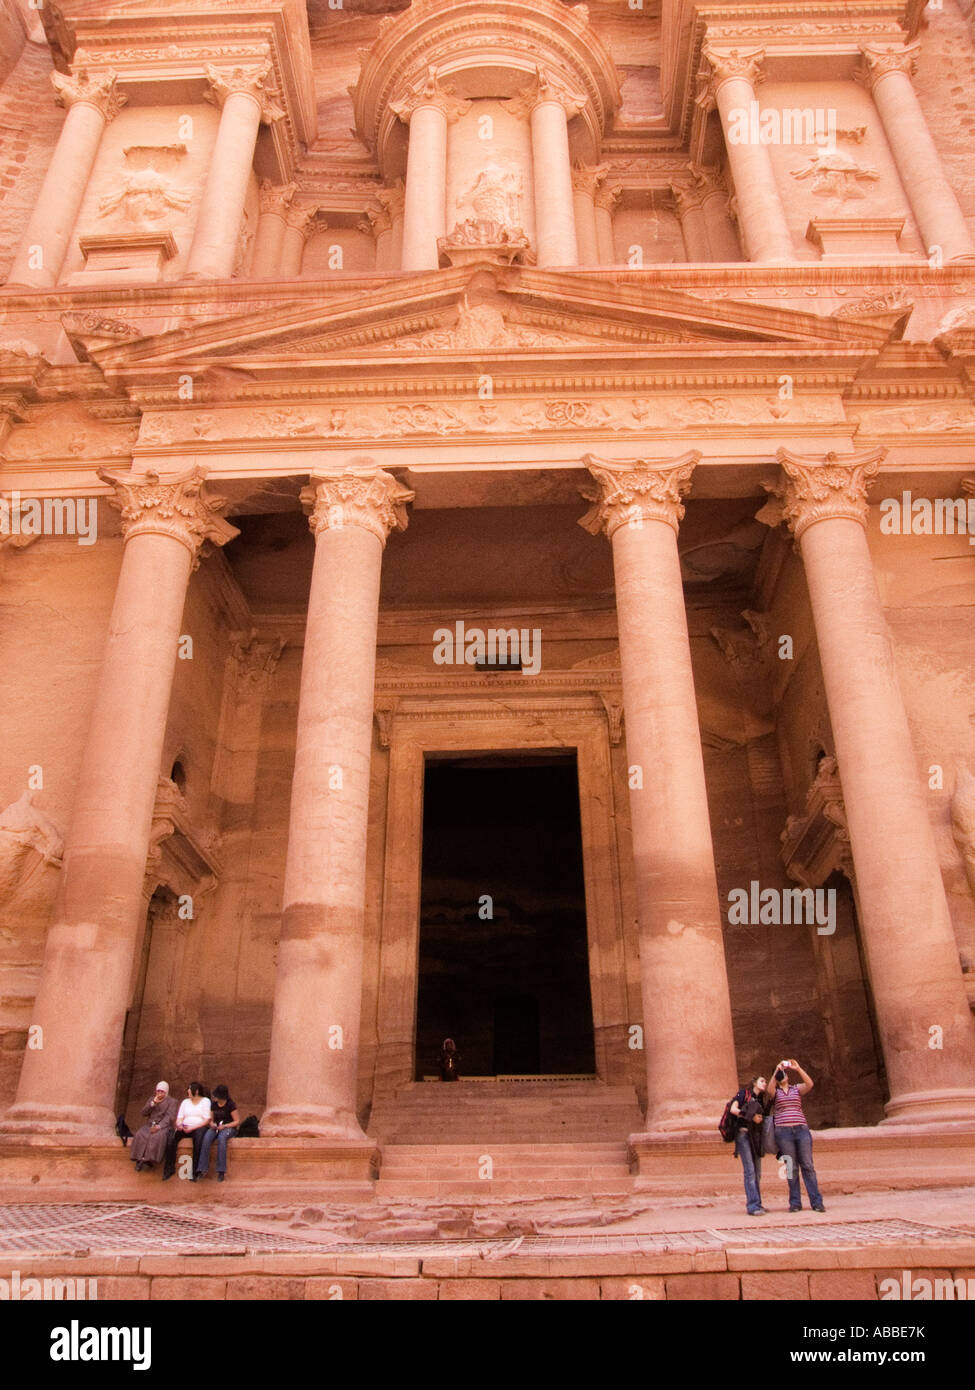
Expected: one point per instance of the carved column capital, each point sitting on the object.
(374, 500)
(304, 220)
(708, 181)
(688, 197)
(637, 492)
(276, 197)
(256, 658)
(587, 180)
(725, 64)
(608, 195)
(377, 221)
(821, 489)
(544, 88)
(877, 60)
(176, 506)
(244, 81)
(430, 90)
(100, 92)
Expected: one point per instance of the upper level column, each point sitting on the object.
(246, 104)
(68, 1084)
(886, 72)
(427, 109)
(734, 77)
(550, 106)
(688, 1041)
(910, 945)
(91, 102)
(275, 202)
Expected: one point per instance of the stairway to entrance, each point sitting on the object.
(491, 1138)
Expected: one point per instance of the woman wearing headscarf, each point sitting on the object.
(149, 1144)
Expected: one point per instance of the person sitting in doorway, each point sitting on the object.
(149, 1144)
(192, 1119)
(224, 1120)
(449, 1059)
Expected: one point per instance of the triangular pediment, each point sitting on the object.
(478, 312)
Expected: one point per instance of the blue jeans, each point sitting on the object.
(795, 1142)
(751, 1168)
(222, 1137)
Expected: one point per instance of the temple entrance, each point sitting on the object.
(503, 951)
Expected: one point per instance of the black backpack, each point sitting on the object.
(728, 1124)
(249, 1128)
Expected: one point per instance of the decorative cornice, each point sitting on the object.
(374, 500)
(430, 91)
(825, 489)
(544, 89)
(635, 493)
(81, 88)
(244, 81)
(877, 61)
(176, 506)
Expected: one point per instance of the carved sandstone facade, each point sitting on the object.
(282, 278)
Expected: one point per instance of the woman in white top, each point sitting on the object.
(192, 1120)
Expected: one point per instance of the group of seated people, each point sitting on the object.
(203, 1120)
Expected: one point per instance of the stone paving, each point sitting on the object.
(119, 1228)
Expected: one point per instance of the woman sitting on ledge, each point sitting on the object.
(222, 1127)
(149, 1144)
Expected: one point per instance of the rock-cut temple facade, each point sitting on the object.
(487, 495)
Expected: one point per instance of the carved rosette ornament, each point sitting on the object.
(824, 489)
(247, 82)
(100, 92)
(635, 493)
(430, 91)
(176, 506)
(545, 87)
(877, 61)
(374, 500)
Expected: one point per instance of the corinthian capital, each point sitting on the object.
(371, 499)
(876, 61)
(276, 197)
(176, 506)
(734, 62)
(431, 91)
(587, 180)
(99, 91)
(635, 493)
(305, 220)
(546, 87)
(244, 81)
(823, 489)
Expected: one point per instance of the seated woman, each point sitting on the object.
(222, 1127)
(149, 1144)
(191, 1121)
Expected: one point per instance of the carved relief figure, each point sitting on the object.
(146, 194)
(835, 175)
(28, 841)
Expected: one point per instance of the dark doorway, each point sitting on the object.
(504, 961)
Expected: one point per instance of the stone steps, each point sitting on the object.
(505, 1112)
(442, 1170)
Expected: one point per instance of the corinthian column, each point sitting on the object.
(91, 103)
(584, 185)
(887, 72)
(427, 109)
(607, 197)
(905, 925)
(68, 1084)
(690, 210)
(275, 204)
(298, 225)
(246, 104)
(550, 107)
(734, 76)
(688, 1042)
(312, 1079)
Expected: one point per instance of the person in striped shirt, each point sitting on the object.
(792, 1137)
